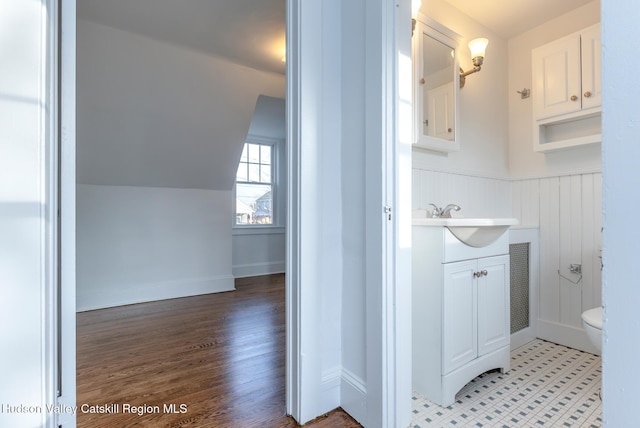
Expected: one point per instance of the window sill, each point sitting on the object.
(258, 230)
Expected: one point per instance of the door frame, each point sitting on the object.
(389, 183)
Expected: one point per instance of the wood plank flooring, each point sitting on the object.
(216, 360)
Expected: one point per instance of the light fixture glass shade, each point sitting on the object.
(478, 47)
(415, 7)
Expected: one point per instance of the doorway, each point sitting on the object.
(156, 139)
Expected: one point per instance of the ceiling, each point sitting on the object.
(249, 32)
(508, 18)
(252, 32)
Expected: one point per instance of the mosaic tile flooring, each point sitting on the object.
(549, 385)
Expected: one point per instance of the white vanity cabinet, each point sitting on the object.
(567, 91)
(461, 316)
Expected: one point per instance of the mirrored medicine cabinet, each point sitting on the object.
(435, 86)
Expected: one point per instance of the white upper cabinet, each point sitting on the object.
(567, 91)
(566, 74)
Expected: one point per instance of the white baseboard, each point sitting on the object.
(566, 335)
(522, 337)
(258, 269)
(329, 391)
(353, 396)
(127, 294)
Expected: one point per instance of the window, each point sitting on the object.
(254, 185)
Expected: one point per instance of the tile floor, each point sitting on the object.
(549, 385)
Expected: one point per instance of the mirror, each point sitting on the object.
(435, 88)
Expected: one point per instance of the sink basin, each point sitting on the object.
(475, 232)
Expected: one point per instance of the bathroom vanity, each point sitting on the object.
(460, 303)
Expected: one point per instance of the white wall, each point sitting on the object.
(476, 177)
(261, 250)
(314, 256)
(160, 132)
(26, 270)
(152, 114)
(138, 244)
(523, 161)
(560, 192)
(482, 131)
(621, 206)
(352, 199)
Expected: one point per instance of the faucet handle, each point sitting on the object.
(435, 212)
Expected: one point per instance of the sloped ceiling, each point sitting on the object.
(250, 32)
(159, 107)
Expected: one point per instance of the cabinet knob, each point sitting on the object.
(422, 81)
(484, 272)
(587, 94)
(574, 97)
(449, 129)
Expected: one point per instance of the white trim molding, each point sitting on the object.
(107, 297)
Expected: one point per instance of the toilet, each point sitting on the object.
(592, 323)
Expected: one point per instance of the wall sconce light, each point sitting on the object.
(415, 7)
(477, 48)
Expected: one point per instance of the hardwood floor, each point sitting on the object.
(215, 361)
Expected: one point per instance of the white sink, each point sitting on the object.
(475, 232)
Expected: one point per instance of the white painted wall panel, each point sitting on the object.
(570, 250)
(549, 249)
(137, 244)
(568, 211)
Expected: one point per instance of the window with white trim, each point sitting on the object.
(255, 185)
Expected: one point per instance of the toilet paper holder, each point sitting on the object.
(576, 269)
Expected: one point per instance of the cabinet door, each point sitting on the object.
(440, 106)
(459, 327)
(556, 75)
(591, 67)
(493, 304)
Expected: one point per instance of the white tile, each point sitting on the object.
(549, 385)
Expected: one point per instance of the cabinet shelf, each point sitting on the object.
(567, 131)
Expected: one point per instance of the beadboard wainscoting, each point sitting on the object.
(568, 212)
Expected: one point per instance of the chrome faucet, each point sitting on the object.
(443, 212)
(446, 211)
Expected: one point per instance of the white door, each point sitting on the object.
(459, 327)
(493, 304)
